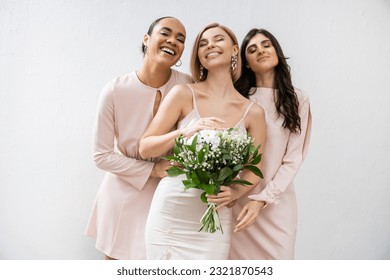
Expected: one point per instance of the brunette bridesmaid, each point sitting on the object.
(272, 205)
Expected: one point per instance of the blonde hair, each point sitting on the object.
(195, 62)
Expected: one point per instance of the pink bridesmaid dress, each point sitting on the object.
(121, 207)
(272, 235)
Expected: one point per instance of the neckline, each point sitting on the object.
(195, 108)
(150, 87)
(194, 111)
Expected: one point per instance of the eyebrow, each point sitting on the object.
(170, 30)
(254, 44)
(215, 36)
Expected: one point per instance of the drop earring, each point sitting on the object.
(234, 63)
(201, 72)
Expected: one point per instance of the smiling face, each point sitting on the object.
(165, 45)
(216, 48)
(260, 54)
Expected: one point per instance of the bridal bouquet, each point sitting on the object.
(210, 159)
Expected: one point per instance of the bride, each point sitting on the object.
(211, 102)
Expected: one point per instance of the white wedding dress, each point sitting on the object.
(174, 218)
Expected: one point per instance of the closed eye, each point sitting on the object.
(251, 50)
(181, 39)
(219, 38)
(202, 43)
(266, 44)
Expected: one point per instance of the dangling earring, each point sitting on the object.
(179, 63)
(234, 62)
(201, 73)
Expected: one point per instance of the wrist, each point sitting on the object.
(182, 131)
(154, 172)
(262, 204)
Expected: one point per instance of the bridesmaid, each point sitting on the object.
(266, 79)
(126, 106)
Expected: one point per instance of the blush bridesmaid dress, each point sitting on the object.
(119, 213)
(272, 235)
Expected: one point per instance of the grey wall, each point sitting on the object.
(55, 56)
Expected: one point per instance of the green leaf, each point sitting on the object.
(241, 182)
(246, 155)
(208, 188)
(186, 182)
(256, 160)
(238, 167)
(205, 150)
(169, 157)
(252, 149)
(191, 185)
(226, 156)
(203, 176)
(224, 173)
(203, 197)
(201, 154)
(254, 169)
(194, 177)
(192, 147)
(212, 177)
(175, 171)
(235, 173)
(178, 145)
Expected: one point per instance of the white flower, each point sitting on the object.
(214, 150)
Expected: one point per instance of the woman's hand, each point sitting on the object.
(249, 214)
(226, 197)
(160, 168)
(203, 123)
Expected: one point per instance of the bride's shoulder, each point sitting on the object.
(256, 111)
(181, 91)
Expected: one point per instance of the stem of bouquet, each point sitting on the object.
(210, 220)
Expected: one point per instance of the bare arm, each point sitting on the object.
(159, 136)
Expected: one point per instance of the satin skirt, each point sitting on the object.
(174, 220)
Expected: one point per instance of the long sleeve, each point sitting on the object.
(296, 151)
(134, 171)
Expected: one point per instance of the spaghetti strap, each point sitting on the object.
(247, 110)
(244, 115)
(193, 98)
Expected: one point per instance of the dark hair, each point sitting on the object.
(150, 30)
(195, 62)
(286, 100)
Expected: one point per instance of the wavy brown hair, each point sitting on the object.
(195, 62)
(286, 100)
